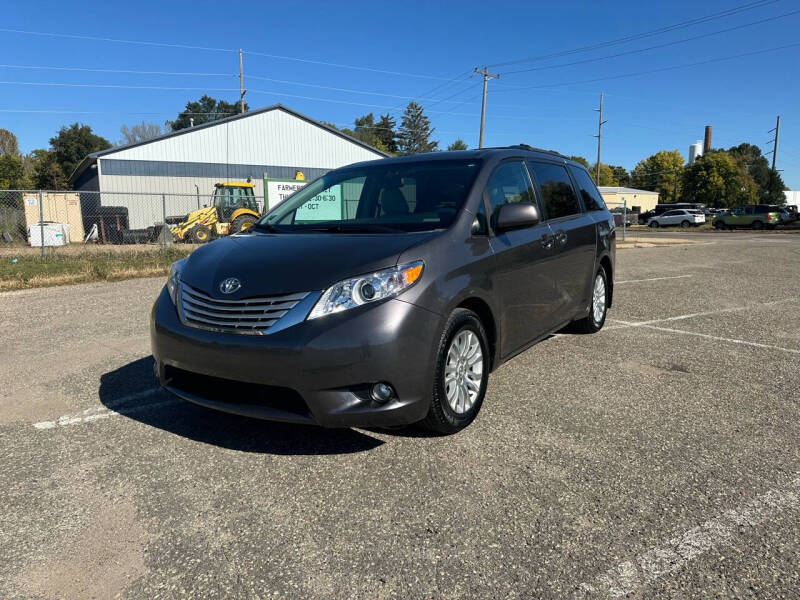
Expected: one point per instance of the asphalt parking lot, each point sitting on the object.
(658, 458)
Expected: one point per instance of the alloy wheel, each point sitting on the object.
(463, 373)
(599, 299)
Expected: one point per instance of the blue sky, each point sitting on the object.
(417, 49)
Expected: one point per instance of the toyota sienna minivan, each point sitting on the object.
(385, 292)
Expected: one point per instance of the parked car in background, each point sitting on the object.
(682, 217)
(660, 209)
(754, 216)
(787, 215)
(621, 214)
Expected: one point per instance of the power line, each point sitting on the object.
(229, 50)
(659, 70)
(645, 34)
(116, 71)
(664, 45)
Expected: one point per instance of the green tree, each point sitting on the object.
(415, 131)
(45, 172)
(73, 143)
(716, 180)
(458, 144)
(386, 132)
(580, 159)
(8, 142)
(606, 174)
(660, 173)
(204, 110)
(770, 185)
(12, 175)
(621, 176)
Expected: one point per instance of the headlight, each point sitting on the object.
(172, 280)
(367, 288)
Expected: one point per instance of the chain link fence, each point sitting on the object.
(44, 218)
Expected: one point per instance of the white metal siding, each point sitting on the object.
(273, 138)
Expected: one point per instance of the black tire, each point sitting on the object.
(589, 324)
(720, 225)
(241, 223)
(757, 225)
(653, 224)
(685, 224)
(200, 234)
(441, 417)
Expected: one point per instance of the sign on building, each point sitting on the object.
(325, 206)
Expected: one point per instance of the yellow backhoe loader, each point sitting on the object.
(233, 209)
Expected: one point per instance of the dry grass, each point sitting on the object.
(23, 267)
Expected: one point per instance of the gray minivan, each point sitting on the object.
(385, 292)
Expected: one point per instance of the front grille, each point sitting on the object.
(248, 315)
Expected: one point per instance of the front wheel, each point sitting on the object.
(653, 224)
(462, 372)
(757, 225)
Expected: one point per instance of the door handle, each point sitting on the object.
(561, 237)
(547, 241)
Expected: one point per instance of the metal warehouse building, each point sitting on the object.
(274, 142)
(643, 200)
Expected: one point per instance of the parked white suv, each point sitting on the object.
(684, 218)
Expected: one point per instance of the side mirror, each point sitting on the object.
(517, 215)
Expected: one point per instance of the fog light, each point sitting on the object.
(381, 392)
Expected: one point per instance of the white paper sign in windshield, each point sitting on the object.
(278, 191)
(325, 206)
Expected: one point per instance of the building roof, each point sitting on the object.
(610, 189)
(92, 158)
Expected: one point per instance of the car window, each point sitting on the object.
(385, 196)
(671, 213)
(557, 193)
(592, 199)
(509, 183)
(749, 210)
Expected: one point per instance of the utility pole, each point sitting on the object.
(775, 141)
(599, 137)
(241, 83)
(486, 77)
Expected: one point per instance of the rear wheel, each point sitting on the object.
(757, 225)
(685, 224)
(720, 225)
(462, 372)
(598, 309)
(241, 223)
(653, 224)
(201, 234)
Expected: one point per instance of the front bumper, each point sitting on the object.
(316, 371)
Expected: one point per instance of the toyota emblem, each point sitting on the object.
(229, 285)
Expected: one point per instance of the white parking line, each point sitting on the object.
(699, 314)
(723, 339)
(118, 407)
(651, 279)
(629, 577)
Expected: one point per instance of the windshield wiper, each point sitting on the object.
(363, 228)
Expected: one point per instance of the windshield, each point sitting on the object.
(385, 197)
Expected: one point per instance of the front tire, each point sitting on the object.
(598, 309)
(757, 225)
(462, 373)
(200, 234)
(653, 224)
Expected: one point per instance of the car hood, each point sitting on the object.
(271, 264)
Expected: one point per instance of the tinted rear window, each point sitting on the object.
(592, 199)
(557, 193)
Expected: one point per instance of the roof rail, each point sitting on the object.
(532, 149)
